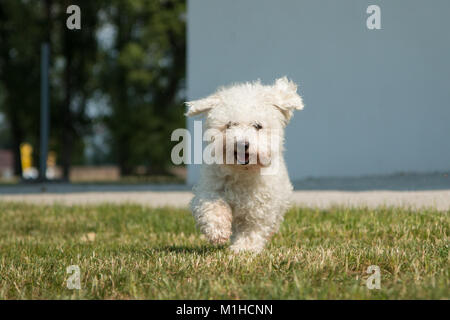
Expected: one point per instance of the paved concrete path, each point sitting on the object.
(401, 190)
(439, 200)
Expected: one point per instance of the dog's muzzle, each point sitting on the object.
(241, 153)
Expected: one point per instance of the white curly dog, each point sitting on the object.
(235, 197)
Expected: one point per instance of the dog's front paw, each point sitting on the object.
(218, 237)
(238, 248)
(216, 233)
(215, 224)
(248, 242)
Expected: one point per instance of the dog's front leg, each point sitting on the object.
(249, 236)
(213, 216)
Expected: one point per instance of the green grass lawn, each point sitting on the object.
(144, 253)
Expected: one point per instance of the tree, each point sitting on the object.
(78, 52)
(73, 56)
(143, 76)
(18, 72)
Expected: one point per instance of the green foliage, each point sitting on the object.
(20, 42)
(140, 75)
(156, 253)
(147, 65)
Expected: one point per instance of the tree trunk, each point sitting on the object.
(66, 116)
(122, 142)
(17, 138)
(10, 111)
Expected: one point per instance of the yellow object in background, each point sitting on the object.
(51, 159)
(51, 166)
(26, 154)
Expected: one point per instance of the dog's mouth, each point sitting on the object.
(242, 159)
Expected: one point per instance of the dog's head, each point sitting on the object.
(246, 121)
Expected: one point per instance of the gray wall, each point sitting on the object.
(376, 101)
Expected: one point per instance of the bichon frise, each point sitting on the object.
(246, 191)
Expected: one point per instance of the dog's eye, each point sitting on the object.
(229, 124)
(257, 126)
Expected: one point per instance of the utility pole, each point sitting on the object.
(45, 110)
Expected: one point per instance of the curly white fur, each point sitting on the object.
(237, 200)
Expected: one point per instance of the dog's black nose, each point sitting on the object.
(246, 145)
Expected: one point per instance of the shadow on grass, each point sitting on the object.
(202, 250)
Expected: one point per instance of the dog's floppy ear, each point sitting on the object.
(203, 105)
(286, 98)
